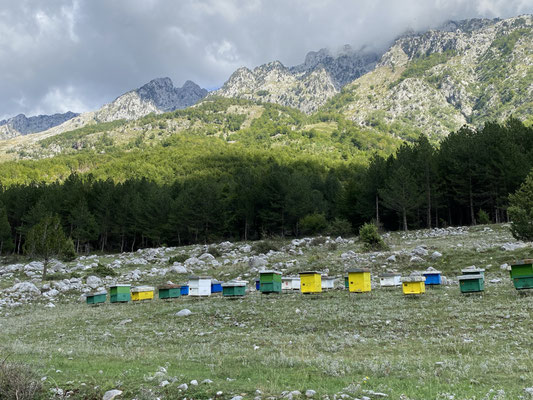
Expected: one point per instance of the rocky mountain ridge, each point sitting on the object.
(22, 125)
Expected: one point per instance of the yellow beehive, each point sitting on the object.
(310, 282)
(359, 280)
(142, 293)
(414, 285)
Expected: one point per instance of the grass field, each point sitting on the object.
(442, 345)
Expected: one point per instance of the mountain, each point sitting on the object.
(22, 125)
(157, 96)
(306, 86)
(469, 72)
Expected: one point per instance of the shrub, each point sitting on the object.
(265, 246)
(333, 246)
(313, 223)
(521, 211)
(214, 251)
(18, 381)
(102, 271)
(318, 241)
(180, 258)
(340, 227)
(371, 239)
(482, 217)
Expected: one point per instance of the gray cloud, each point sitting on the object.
(60, 55)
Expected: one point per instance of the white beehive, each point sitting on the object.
(390, 279)
(290, 283)
(200, 286)
(328, 282)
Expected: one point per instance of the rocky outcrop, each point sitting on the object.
(22, 125)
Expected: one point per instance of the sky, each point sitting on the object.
(76, 55)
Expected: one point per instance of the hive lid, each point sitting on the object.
(120, 285)
(97, 293)
(289, 278)
(470, 277)
(199, 277)
(309, 273)
(215, 282)
(359, 270)
(389, 274)
(431, 272)
(473, 270)
(169, 286)
(524, 262)
(234, 284)
(269, 271)
(137, 289)
(414, 278)
(328, 278)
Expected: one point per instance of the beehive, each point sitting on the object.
(258, 284)
(522, 274)
(473, 271)
(270, 282)
(184, 290)
(290, 283)
(311, 282)
(119, 293)
(390, 279)
(413, 285)
(328, 282)
(234, 289)
(471, 283)
(199, 286)
(139, 293)
(433, 277)
(169, 291)
(216, 286)
(346, 282)
(359, 280)
(96, 298)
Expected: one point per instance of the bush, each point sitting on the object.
(180, 258)
(521, 211)
(313, 223)
(371, 239)
(102, 271)
(214, 251)
(340, 227)
(17, 381)
(482, 217)
(265, 246)
(333, 246)
(318, 241)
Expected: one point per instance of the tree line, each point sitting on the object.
(466, 180)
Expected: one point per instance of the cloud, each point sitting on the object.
(72, 54)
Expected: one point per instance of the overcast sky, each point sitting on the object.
(60, 55)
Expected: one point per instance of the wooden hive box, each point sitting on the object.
(412, 285)
(471, 283)
(522, 274)
(139, 293)
(200, 286)
(96, 298)
(290, 283)
(270, 281)
(359, 280)
(119, 293)
(216, 286)
(169, 291)
(390, 279)
(234, 289)
(432, 277)
(311, 282)
(346, 282)
(328, 282)
(184, 290)
(258, 284)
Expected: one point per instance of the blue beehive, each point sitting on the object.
(184, 290)
(257, 285)
(216, 286)
(433, 277)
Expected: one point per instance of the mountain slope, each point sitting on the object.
(471, 72)
(22, 125)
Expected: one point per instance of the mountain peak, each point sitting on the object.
(21, 124)
(166, 97)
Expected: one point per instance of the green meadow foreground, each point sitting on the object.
(442, 345)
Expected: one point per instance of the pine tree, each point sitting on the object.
(6, 238)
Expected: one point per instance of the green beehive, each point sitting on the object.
(522, 274)
(473, 271)
(471, 283)
(234, 289)
(346, 282)
(119, 293)
(270, 281)
(96, 298)
(169, 291)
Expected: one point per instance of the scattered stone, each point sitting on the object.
(436, 255)
(184, 313)
(207, 381)
(94, 282)
(415, 259)
(310, 393)
(183, 386)
(111, 394)
(392, 258)
(237, 398)
(164, 383)
(194, 382)
(495, 280)
(125, 321)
